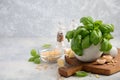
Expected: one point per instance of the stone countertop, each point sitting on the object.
(23, 20)
(14, 65)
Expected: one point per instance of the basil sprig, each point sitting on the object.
(91, 32)
(35, 57)
(81, 74)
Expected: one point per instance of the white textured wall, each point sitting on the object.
(37, 18)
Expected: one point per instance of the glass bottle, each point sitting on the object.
(60, 38)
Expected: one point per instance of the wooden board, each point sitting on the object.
(90, 67)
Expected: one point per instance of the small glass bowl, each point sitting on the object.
(50, 55)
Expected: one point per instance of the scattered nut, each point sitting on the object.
(97, 76)
(50, 55)
(115, 61)
(69, 53)
(60, 62)
(108, 58)
(112, 61)
(101, 61)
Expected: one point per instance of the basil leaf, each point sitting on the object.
(107, 36)
(81, 73)
(89, 26)
(69, 35)
(105, 46)
(97, 24)
(86, 42)
(86, 20)
(37, 61)
(82, 31)
(111, 27)
(76, 45)
(79, 52)
(31, 59)
(37, 56)
(80, 27)
(33, 52)
(105, 28)
(95, 37)
(46, 45)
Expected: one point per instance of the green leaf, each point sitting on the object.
(37, 61)
(46, 45)
(69, 35)
(81, 73)
(76, 45)
(33, 52)
(81, 31)
(79, 27)
(79, 52)
(31, 59)
(97, 24)
(105, 46)
(91, 32)
(86, 20)
(37, 56)
(84, 32)
(95, 37)
(106, 28)
(89, 26)
(107, 36)
(86, 42)
(111, 27)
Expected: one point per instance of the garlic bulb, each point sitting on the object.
(113, 52)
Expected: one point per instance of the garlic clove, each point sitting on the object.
(101, 61)
(108, 58)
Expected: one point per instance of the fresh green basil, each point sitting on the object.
(95, 36)
(35, 57)
(107, 28)
(105, 45)
(91, 32)
(69, 35)
(89, 26)
(86, 42)
(107, 36)
(76, 45)
(86, 20)
(33, 52)
(81, 31)
(46, 45)
(97, 24)
(81, 73)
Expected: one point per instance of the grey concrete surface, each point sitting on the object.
(14, 65)
(27, 24)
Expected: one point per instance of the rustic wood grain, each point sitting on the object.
(76, 65)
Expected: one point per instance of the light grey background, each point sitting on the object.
(27, 24)
(38, 18)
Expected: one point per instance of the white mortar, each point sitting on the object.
(90, 54)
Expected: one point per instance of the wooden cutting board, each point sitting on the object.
(75, 65)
